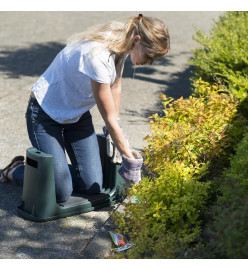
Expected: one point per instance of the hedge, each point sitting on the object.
(192, 198)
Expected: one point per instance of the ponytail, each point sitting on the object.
(118, 36)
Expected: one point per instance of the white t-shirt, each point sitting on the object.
(64, 89)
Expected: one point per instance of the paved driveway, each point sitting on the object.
(29, 42)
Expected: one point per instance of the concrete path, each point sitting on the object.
(28, 43)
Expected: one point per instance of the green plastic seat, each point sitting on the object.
(38, 195)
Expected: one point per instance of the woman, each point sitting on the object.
(87, 72)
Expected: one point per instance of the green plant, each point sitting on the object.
(193, 131)
(226, 234)
(172, 198)
(239, 163)
(179, 209)
(203, 88)
(222, 57)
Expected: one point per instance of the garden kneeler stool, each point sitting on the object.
(38, 195)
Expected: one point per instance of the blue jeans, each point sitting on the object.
(79, 140)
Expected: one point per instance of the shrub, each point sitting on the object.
(172, 198)
(226, 235)
(239, 163)
(190, 144)
(192, 131)
(222, 57)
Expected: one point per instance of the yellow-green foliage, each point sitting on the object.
(222, 57)
(191, 132)
(171, 198)
(183, 148)
(203, 88)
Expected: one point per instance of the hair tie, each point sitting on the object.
(140, 16)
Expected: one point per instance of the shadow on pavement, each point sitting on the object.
(31, 61)
(34, 60)
(178, 86)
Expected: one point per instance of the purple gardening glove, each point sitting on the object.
(130, 169)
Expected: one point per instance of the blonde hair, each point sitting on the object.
(118, 36)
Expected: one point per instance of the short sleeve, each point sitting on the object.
(97, 65)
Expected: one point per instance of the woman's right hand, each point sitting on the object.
(130, 169)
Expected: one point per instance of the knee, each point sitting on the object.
(62, 196)
(95, 188)
(63, 193)
(63, 186)
(90, 182)
(94, 184)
